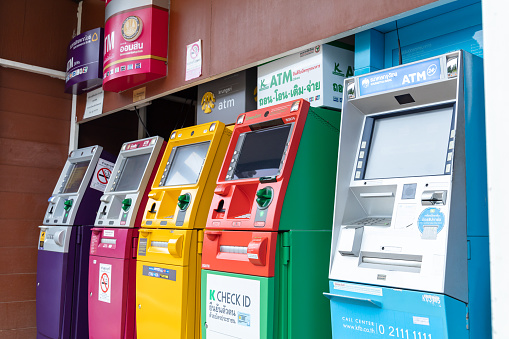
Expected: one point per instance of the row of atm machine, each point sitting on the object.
(226, 231)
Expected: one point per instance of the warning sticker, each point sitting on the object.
(101, 175)
(41, 238)
(104, 283)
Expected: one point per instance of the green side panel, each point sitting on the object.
(309, 197)
(267, 305)
(303, 312)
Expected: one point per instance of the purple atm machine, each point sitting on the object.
(64, 242)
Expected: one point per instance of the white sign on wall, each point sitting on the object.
(315, 74)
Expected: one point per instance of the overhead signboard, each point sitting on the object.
(225, 98)
(135, 43)
(84, 62)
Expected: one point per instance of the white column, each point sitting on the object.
(496, 52)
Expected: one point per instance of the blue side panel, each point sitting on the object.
(475, 147)
(459, 29)
(363, 311)
(479, 296)
(369, 51)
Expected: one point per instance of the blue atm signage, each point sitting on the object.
(404, 76)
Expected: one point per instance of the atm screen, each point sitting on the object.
(262, 152)
(77, 173)
(407, 145)
(187, 163)
(132, 172)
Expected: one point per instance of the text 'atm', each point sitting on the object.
(409, 255)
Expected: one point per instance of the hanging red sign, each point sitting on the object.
(135, 43)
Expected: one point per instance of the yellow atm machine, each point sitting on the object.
(171, 237)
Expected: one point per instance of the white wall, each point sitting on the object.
(496, 52)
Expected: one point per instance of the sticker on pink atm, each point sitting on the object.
(104, 283)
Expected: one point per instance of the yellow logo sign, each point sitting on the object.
(207, 102)
(131, 28)
(95, 37)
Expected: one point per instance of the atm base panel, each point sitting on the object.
(288, 305)
(365, 311)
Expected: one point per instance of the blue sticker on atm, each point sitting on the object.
(159, 272)
(244, 319)
(404, 76)
(431, 217)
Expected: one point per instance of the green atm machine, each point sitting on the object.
(267, 234)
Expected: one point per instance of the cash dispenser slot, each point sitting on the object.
(241, 252)
(391, 262)
(433, 198)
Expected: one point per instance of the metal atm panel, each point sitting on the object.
(406, 180)
(131, 180)
(76, 195)
(267, 173)
(183, 185)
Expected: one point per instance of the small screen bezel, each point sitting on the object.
(255, 128)
(122, 171)
(359, 173)
(171, 159)
(69, 173)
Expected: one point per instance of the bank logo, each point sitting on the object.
(365, 83)
(207, 102)
(131, 28)
(317, 49)
(432, 69)
(263, 85)
(337, 71)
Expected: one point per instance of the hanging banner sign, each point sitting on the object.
(135, 43)
(405, 76)
(84, 62)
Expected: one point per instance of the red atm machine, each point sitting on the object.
(265, 250)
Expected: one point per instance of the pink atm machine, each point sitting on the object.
(64, 241)
(113, 247)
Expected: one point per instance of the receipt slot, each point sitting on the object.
(112, 263)
(171, 237)
(64, 240)
(266, 242)
(409, 255)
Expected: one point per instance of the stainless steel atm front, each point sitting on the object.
(409, 254)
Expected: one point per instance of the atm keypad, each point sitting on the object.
(372, 221)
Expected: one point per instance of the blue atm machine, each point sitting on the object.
(409, 256)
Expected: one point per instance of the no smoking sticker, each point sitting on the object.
(102, 175)
(104, 283)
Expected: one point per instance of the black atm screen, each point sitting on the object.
(132, 172)
(77, 173)
(262, 152)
